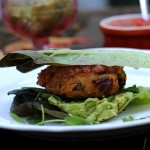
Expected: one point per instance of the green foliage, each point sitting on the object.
(16, 118)
(76, 120)
(28, 60)
(40, 107)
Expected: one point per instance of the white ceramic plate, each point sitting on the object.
(11, 79)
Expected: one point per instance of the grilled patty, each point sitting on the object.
(79, 82)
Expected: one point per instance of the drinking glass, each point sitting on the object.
(37, 20)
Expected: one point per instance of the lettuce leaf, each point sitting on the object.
(28, 60)
(143, 97)
(29, 100)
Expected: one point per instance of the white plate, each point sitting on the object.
(11, 79)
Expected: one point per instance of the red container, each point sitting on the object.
(128, 30)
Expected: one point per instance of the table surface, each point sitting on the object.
(85, 26)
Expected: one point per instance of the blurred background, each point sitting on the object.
(84, 33)
(102, 4)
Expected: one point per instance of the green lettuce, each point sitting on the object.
(143, 97)
(28, 101)
(28, 60)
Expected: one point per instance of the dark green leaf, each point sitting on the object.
(132, 89)
(17, 118)
(43, 95)
(51, 121)
(110, 98)
(34, 119)
(53, 112)
(24, 109)
(27, 90)
(21, 61)
(144, 117)
(23, 102)
(28, 101)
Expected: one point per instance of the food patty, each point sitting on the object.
(78, 82)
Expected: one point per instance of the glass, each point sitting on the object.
(38, 19)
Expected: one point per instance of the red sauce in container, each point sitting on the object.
(130, 22)
(128, 30)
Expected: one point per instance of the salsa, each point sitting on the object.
(130, 22)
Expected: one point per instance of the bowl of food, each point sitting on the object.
(127, 30)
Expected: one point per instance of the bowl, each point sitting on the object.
(127, 30)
